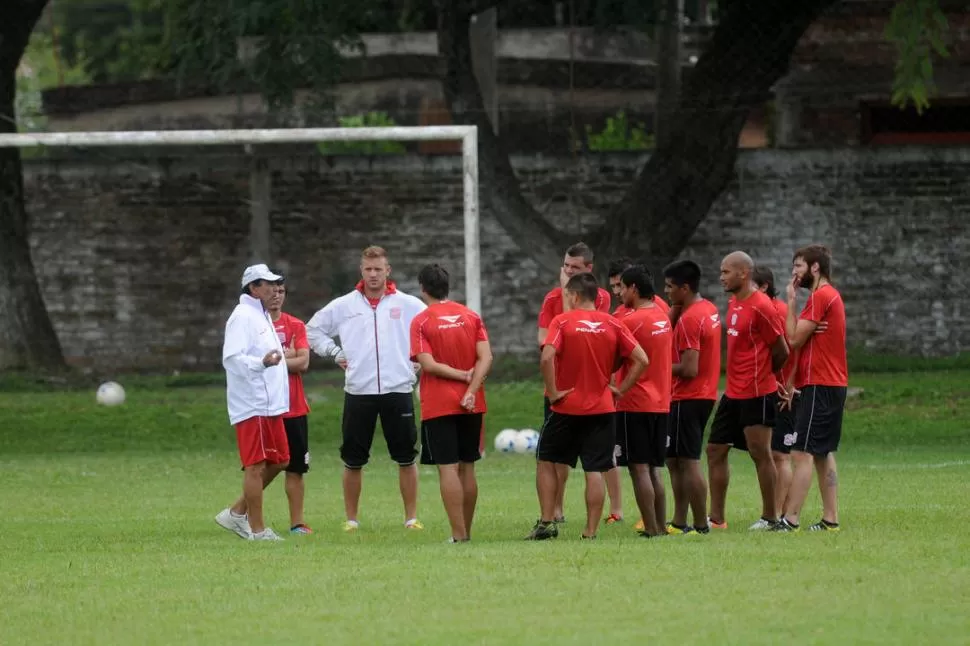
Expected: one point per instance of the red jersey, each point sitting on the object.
(698, 328)
(651, 394)
(292, 334)
(587, 344)
(449, 332)
(552, 305)
(822, 361)
(753, 326)
(781, 307)
(622, 310)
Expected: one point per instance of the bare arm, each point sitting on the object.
(483, 363)
(542, 335)
(779, 353)
(432, 367)
(687, 368)
(298, 361)
(547, 366)
(638, 363)
(801, 332)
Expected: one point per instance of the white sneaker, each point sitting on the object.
(761, 525)
(235, 524)
(266, 535)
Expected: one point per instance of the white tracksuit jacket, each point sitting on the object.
(252, 389)
(375, 340)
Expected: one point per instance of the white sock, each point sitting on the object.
(235, 515)
(353, 523)
(410, 522)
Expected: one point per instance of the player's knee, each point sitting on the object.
(717, 453)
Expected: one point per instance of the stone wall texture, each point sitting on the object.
(139, 258)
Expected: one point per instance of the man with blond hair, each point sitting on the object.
(373, 322)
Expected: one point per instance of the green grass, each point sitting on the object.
(108, 537)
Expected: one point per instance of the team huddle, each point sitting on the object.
(634, 388)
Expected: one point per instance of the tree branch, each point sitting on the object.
(500, 191)
(750, 50)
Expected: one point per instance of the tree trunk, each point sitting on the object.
(668, 33)
(748, 52)
(499, 188)
(27, 338)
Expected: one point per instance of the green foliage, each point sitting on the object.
(115, 41)
(369, 120)
(39, 70)
(285, 45)
(918, 29)
(619, 135)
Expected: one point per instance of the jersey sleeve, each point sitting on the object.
(481, 334)
(770, 326)
(688, 333)
(815, 308)
(603, 300)
(554, 336)
(548, 311)
(626, 342)
(300, 341)
(419, 342)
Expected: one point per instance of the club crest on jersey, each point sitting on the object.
(450, 321)
(395, 313)
(734, 319)
(592, 327)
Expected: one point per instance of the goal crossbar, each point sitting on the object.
(468, 135)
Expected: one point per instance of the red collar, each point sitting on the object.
(389, 287)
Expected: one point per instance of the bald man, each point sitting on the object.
(756, 351)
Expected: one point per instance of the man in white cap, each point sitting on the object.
(257, 395)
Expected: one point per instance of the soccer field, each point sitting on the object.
(108, 538)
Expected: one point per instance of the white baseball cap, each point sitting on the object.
(258, 272)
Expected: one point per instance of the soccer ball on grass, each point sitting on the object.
(110, 393)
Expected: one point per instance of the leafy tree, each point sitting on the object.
(297, 45)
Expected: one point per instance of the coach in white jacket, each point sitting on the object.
(373, 323)
(257, 395)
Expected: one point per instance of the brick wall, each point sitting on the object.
(139, 259)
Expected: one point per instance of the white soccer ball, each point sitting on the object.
(531, 438)
(110, 393)
(505, 440)
(521, 443)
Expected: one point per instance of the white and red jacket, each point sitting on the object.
(375, 340)
(252, 389)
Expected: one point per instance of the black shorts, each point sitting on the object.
(686, 424)
(641, 438)
(296, 438)
(564, 439)
(451, 439)
(818, 421)
(546, 409)
(783, 434)
(396, 411)
(735, 415)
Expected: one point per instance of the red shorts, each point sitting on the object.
(262, 439)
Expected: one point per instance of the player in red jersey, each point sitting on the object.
(451, 344)
(578, 260)
(641, 413)
(756, 351)
(291, 332)
(617, 267)
(782, 436)
(696, 371)
(822, 376)
(579, 356)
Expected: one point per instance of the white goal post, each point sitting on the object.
(468, 135)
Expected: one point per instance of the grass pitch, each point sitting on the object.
(108, 538)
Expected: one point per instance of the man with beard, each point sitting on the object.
(756, 351)
(821, 375)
